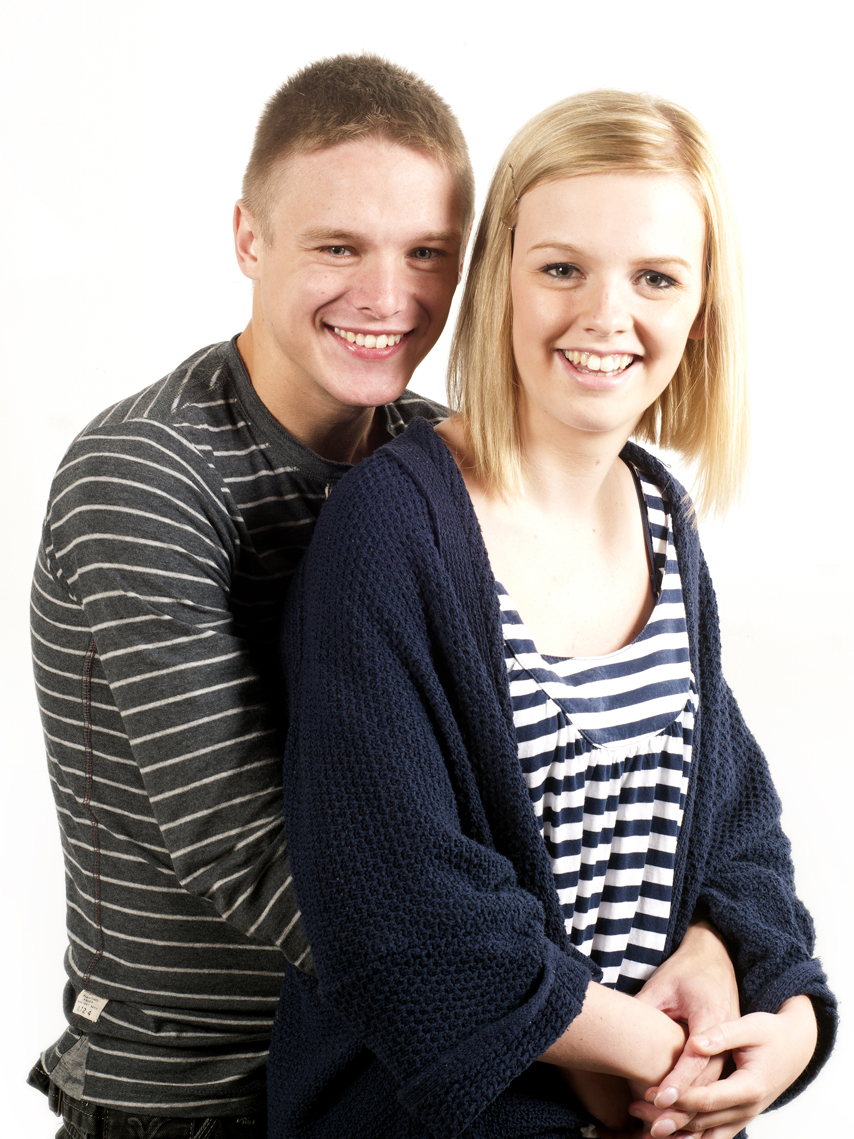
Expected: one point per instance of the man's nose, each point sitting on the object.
(380, 290)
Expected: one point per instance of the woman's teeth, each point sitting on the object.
(367, 340)
(590, 362)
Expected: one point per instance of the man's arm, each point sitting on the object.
(144, 542)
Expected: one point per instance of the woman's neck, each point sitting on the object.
(570, 477)
(570, 546)
(575, 483)
(565, 468)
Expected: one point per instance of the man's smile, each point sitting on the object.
(369, 339)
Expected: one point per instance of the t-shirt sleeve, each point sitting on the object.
(143, 537)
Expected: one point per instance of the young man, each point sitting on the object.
(175, 522)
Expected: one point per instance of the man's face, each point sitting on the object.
(355, 286)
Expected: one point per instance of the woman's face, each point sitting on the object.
(607, 286)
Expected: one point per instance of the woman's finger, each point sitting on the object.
(688, 1069)
(674, 1120)
(746, 1032)
(741, 1091)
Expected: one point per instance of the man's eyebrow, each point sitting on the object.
(575, 251)
(341, 235)
(329, 235)
(449, 235)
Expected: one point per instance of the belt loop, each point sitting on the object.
(54, 1098)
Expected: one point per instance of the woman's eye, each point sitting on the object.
(424, 254)
(560, 271)
(657, 280)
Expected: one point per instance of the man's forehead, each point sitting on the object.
(348, 151)
(364, 174)
(366, 190)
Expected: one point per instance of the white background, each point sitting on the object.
(125, 129)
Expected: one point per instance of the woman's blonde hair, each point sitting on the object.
(703, 412)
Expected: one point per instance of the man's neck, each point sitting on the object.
(332, 430)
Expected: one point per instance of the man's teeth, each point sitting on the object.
(593, 363)
(367, 340)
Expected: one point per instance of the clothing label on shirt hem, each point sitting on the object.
(89, 1006)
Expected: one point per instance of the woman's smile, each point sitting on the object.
(591, 363)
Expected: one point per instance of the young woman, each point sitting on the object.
(515, 773)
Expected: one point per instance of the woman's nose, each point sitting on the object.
(606, 310)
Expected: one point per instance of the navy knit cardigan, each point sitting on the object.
(425, 886)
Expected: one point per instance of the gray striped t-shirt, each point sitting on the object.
(174, 525)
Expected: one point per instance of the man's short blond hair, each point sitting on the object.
(703, 412)
(345, 98)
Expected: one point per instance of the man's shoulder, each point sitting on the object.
(200, 380)
(158, 442)
(176, 416)
(410, 406)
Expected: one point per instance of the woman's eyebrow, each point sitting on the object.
(576, 251)
(561, 246)
(664, 261)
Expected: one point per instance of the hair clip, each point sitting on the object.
(513, 182)
(515, 195)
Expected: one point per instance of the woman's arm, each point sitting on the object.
(614, 1039)
(617, 1035)
(738, 859)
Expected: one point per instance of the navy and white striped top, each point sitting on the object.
(605, 747)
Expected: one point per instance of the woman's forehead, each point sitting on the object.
(647, 213)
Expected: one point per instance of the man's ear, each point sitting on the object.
(247, 241)
(698, 328)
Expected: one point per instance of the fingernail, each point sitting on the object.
(666, 1099)
(665, 1127)
(703, 1041)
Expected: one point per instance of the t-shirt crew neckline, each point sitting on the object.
(288, 448)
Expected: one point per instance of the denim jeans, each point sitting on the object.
(84, 1120)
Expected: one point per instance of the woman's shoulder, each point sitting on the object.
(405, 492)
(413, 471)
(661, 475)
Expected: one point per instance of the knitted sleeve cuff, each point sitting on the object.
(804, 979)
(450, 1094)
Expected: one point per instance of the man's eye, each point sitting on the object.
(338, 250)
(561, 271)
